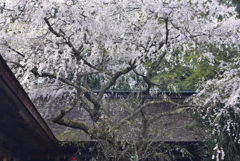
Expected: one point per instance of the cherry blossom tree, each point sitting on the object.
(57, 48)
(217, 109)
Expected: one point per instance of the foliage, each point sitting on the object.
(64, 49)
(185, 73)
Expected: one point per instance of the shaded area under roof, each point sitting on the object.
(22, 129)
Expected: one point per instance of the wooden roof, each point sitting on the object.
(22, 129)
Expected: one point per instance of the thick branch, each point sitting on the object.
(73, 124)
(146, 79)
(113, 80)
(96, 134)
(93, 133)
(94, 113)
(63, 112)
(85, 103)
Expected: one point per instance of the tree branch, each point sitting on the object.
(144, 124)
(157, 63)
(66, 81)
(51, 29)
(140, 107)
(67, 40)
(94, 67)
(113, 80)
(18, 64)
(63, 112)
(94, 113)
(54, 76)
(159, 115)
(76, 52)
(145, 78)
(9, 47)
(93, 133)
(73, 124)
